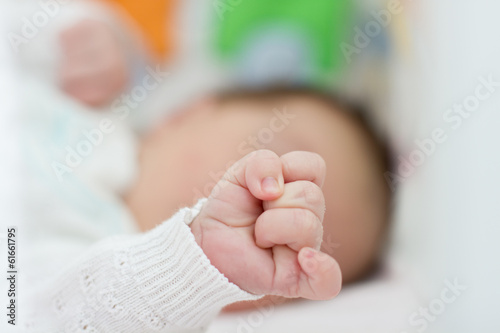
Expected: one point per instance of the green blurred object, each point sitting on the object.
(323, 24)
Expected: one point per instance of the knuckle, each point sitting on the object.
(312, 194)
(305, 220)
(263, 154)
(319, 164)
(262, 160)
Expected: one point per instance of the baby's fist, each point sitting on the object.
(262, 226)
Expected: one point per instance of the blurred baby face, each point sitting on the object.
(185, 157)
(182, 160)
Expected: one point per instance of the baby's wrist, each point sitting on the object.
(196, 230)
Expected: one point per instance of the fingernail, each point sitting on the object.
(270, 185)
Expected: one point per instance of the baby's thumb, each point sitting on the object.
(261, 173)
(237, 198)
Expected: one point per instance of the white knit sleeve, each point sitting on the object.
(159, 281)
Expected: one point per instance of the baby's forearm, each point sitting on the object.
(158, 281)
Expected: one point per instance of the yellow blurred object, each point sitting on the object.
(154, 17)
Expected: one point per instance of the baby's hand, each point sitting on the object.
(93, 69)
(262, 226)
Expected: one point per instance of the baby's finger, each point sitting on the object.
(321, 277)
(294, 227)
(300, 194)
(240, 192)
(260, 172)
(302, 165)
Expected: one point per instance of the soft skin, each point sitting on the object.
(262, 225)
(94, 69)
(183, 158)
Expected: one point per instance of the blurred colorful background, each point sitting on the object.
(416, 68)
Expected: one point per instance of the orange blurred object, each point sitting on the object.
(155, 18)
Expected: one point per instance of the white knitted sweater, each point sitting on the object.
(159, 281)
(84, 267)
(74, 274)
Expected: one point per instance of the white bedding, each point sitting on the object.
(447, 218)
(381, 305)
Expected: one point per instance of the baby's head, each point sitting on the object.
(186, 156)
